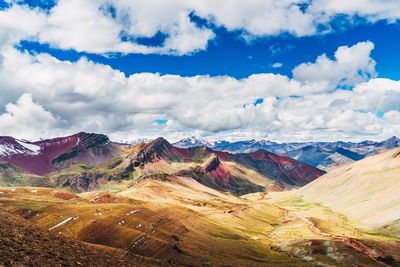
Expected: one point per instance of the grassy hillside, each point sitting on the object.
(367, 191)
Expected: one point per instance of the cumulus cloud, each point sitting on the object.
(26, 119)
(373, 10)
(80, 25)
(117, 26)
(71, 24)
(18, 23)
(351, 65)
(261, 17)
(46, 97)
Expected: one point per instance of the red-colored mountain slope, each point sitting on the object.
(46, 156)
(223, 170)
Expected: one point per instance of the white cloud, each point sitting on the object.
(84, 95)
(26, 119)
(89, 26)
(351, 65)
(372, 10)
(185, 37)
(81, 26)
(86, 26)
(258, 17)
(277, 65)
(18, 23)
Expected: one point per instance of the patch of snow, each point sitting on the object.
(2, 150)
(20, 147)
(64, 222)
(132, 212)
(194, 142)
(33, 148)
(33, 191)
(8, 149)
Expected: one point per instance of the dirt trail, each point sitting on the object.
(353, 243)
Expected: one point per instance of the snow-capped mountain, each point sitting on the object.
(46, 156)
(242, 146)
(194, 142)
(10, 146)
(136, 141)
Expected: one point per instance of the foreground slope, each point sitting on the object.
(24, 244)
(367, 191)
(180, 222)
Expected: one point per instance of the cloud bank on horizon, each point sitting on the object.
(325, 98)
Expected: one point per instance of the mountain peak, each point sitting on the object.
(158, 149)
(159, 142)
(88, 140)
(193, 141)
(392, 142)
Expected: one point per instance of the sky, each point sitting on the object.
(289, 70)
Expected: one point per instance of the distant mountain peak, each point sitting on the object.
(392, 142)
(194, 141)
(46, 156)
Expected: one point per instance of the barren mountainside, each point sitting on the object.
(85, 162)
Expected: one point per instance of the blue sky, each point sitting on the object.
(289, 70)
(230, 55)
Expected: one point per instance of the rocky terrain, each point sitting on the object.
(85, 162)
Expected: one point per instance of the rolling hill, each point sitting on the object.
(366, 191)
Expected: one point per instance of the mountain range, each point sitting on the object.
(318, 154)
(85, 200)
(79, 161)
